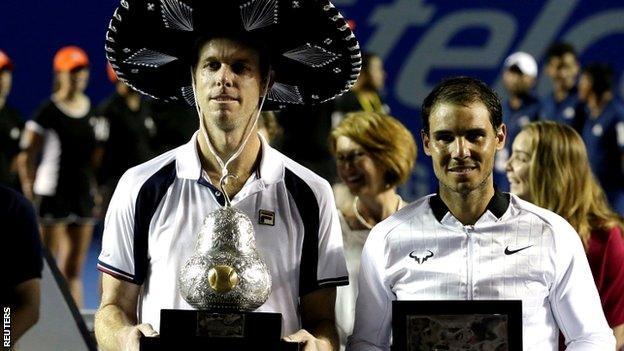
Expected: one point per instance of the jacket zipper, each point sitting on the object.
(469, 261)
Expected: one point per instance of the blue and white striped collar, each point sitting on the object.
(188, 165)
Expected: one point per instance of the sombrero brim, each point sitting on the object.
(150, 45)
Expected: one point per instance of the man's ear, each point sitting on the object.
(425, 140)
(271, 78)
(501, 136)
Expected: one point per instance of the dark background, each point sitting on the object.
(421, 42)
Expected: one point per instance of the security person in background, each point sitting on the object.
(127, 136)
(603, 131)
(563, 104)
(521, 107)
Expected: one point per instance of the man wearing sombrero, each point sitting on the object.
(231, 59)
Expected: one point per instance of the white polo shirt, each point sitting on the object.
(515, 251)
(158, 209)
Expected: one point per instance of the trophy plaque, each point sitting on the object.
(225, 280)
(457, 325)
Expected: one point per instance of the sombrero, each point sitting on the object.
(315, 55)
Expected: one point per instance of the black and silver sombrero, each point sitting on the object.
(314, 53)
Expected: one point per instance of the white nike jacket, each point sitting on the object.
(515, 251)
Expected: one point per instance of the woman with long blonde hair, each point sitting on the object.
(550, 168)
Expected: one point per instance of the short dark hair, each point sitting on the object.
(559, 49)
(462, 91)
(601, 75)
(260, 47)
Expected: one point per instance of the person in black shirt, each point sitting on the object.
(62, 130)
(563, 104)
(521, 107)
(175, 124)
(126, 140)
(21, 276)
(11, 126)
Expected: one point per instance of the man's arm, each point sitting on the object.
(618, 331)
(373, 309)
(32, 142)
(318, 320)
(115, 320)
(26, 311)
(574, 297)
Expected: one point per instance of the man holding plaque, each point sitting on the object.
(471, 242)
(231, 60)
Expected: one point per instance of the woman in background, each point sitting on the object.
(374, 154)
(549, 167)
(63, 182)
(270, 129)
(11, 126)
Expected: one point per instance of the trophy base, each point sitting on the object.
(202, 344)
(218, 330)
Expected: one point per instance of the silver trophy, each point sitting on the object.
(225, 271)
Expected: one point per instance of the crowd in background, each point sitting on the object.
(564, 152)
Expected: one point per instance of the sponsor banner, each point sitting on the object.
(424, 41)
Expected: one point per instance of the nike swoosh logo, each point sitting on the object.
(511, 252)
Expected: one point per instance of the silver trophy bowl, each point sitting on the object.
(225, 271)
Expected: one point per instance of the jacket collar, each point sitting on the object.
(497, 206)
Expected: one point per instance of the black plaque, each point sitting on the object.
(218, 330)
(457, 325)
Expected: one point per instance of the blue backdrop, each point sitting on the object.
(420, 41)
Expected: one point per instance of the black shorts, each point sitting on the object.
(66, 208)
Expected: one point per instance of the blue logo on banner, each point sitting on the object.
(422, 42)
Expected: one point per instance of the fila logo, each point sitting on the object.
(266, 217)
(421, 259)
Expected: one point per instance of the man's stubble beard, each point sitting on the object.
(464, 191)
(222, 121)
(226, 124)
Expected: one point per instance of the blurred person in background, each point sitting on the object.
(374, 154)
(174, 122)
(270, 129)
(562, 105)
(63, 183)
(366, 94)
(304, 137)
(550, 167)
(521, 107)
(11, 126)
(603, 131)
(128, 129)
(21, 277)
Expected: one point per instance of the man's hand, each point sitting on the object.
(310, 342)
(129, 336)
(116, 320)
